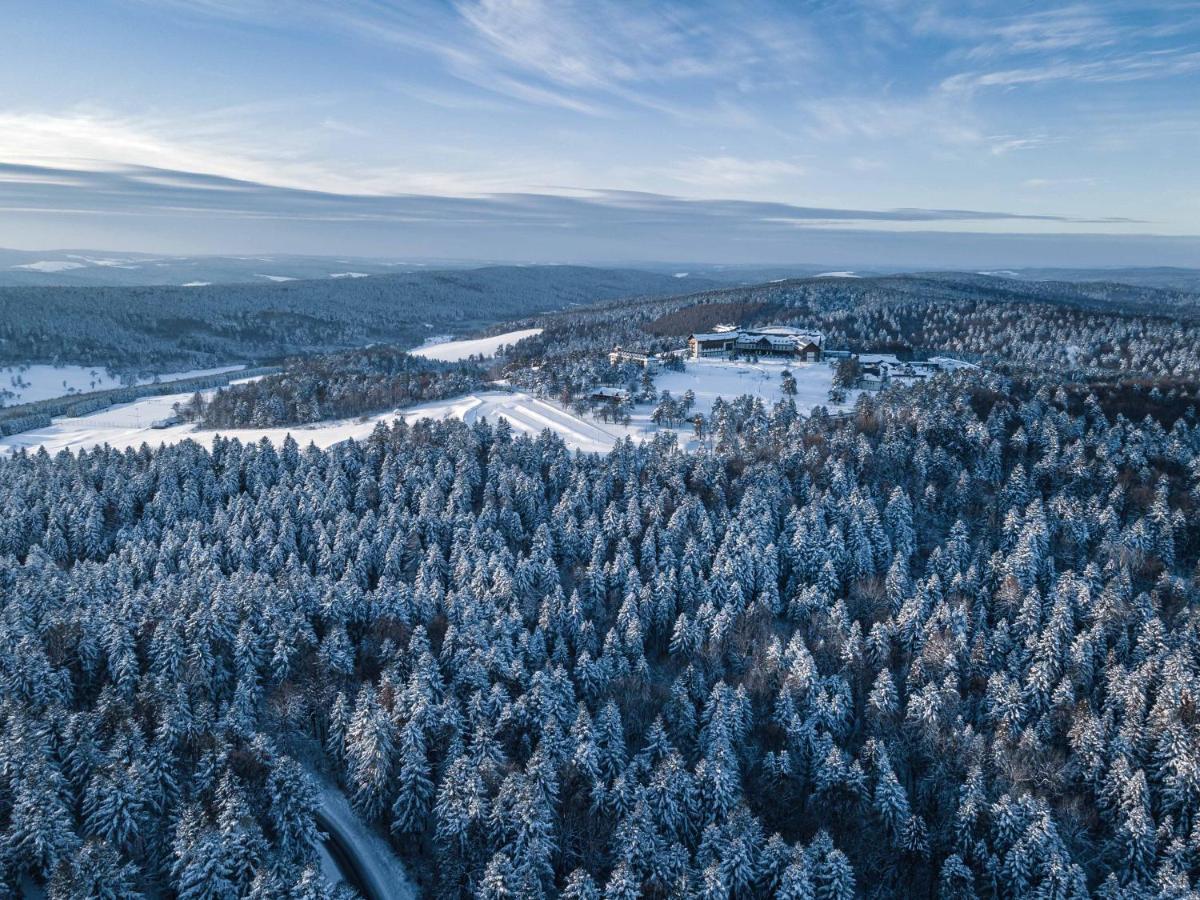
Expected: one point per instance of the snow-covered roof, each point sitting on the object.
(950, 363)
(777, 335)
(775, 340)
(788, 332)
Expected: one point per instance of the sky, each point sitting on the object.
(885, 132)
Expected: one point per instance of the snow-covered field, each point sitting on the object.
(28, 384)
(456, 351)
(129, 424)
(709, 379)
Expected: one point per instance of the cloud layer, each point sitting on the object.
(195, 212)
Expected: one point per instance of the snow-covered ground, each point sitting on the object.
(709, 379)
(130, 424)
(27, 384)
(456, 351)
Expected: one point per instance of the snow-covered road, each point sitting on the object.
(375, 866)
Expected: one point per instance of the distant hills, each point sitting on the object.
(94, 268)
(98, 268)
(171, 327)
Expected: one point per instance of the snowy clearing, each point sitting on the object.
(456, 351)
(709, 379)
(275, 277)
(131, 424)
(838, 275)
(349, 274)
(28, 384)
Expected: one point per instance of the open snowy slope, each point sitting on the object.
(130, 425)
(456, 351)
(709, 379)
(28, 384)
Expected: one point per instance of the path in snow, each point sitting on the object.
(374, 864)
(526, 414)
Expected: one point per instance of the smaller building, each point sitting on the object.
(712, 343)
(613, 395)
(645, 360)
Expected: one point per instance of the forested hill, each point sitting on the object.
(849, 293)
(185, 327)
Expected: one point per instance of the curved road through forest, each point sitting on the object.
(363, 858)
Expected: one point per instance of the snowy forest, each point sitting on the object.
(333, 386)
(1134, 348)
(946, 646)
(164, 328)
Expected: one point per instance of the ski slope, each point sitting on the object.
(527, 415)
(456, 351)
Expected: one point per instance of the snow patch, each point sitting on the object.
(838, 275)
(50, 265)
(275, 277)
(456, 351)
(349, 275)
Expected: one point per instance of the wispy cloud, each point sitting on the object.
(1139, 67)
(151, 190)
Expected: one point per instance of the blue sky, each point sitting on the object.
(528, 129)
